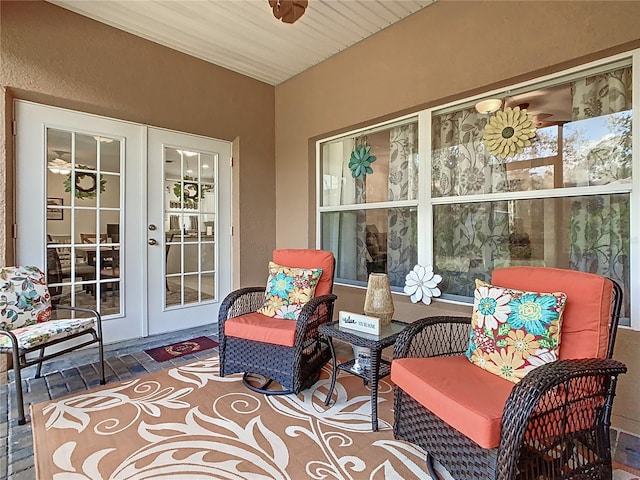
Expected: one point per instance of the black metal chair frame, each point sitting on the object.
(555, 424)
(295, 368)
(20, 360)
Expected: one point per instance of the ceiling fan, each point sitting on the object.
(288, 10)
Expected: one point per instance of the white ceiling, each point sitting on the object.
(243, 35)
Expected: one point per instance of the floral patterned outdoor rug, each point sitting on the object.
(188, 422)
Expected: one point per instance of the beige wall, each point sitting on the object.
(447, 51)
(56, 57)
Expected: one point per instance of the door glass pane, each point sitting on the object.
(83, 240)
(109, 155)
(208, 286)
(174, 257)
(110, 197)
(191, 289)
(208, 257)
(191, 256)
(189, 213)
(173, 296)
(86, 154)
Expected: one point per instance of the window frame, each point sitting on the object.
(320, 209)
(426, 201)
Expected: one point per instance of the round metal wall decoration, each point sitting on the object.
(509, 132)
(361, 159)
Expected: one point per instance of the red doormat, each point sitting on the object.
(167, 352)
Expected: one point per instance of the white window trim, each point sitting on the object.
(426, 202)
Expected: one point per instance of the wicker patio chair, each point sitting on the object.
(289, 352)
(554, 423)
(26, 326)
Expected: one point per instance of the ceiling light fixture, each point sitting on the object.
(288, 10)
(489, 106)
(58, 165)
(102, 139)
(187, 153)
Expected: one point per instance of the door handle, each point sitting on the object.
(152, 241)
(152, 227)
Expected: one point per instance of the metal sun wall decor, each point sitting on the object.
(509, 132)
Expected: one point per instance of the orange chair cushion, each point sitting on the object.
(309, 258)
(473, 406)
(260, 328)
(587, 312)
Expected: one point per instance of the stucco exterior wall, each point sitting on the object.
(449, 50)
(53, 56)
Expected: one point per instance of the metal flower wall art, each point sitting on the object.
(422, 284)
(509, 132)
(361, 160)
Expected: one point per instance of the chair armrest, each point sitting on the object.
(539, 406)
(317, 311)
(93, 313)
(241, 301)
(433, 337)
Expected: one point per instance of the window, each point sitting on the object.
(562, 201)
(370, 222)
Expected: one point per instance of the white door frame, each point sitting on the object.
(30, 206)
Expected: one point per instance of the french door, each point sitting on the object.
(188, 230)
(82, 201)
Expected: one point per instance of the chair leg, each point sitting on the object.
(430, 468)
(18, 385)
(101, 354)
(39, 369)
(264, 388)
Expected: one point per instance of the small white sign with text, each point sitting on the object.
(359, 322)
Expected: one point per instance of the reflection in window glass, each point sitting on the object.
(190, 206)
(583, 138)
(368, 241)
(588, 233)
(394, 173)
(83, 216)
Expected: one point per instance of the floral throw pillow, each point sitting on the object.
(513, 332)
(288, 290)
(24, 297)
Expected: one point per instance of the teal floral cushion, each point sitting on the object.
(288, 290)
(24, 297)
(513, 332)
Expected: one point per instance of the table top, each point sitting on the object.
(386, 338)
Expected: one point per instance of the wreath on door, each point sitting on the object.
(86, 183)
(192, 192)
